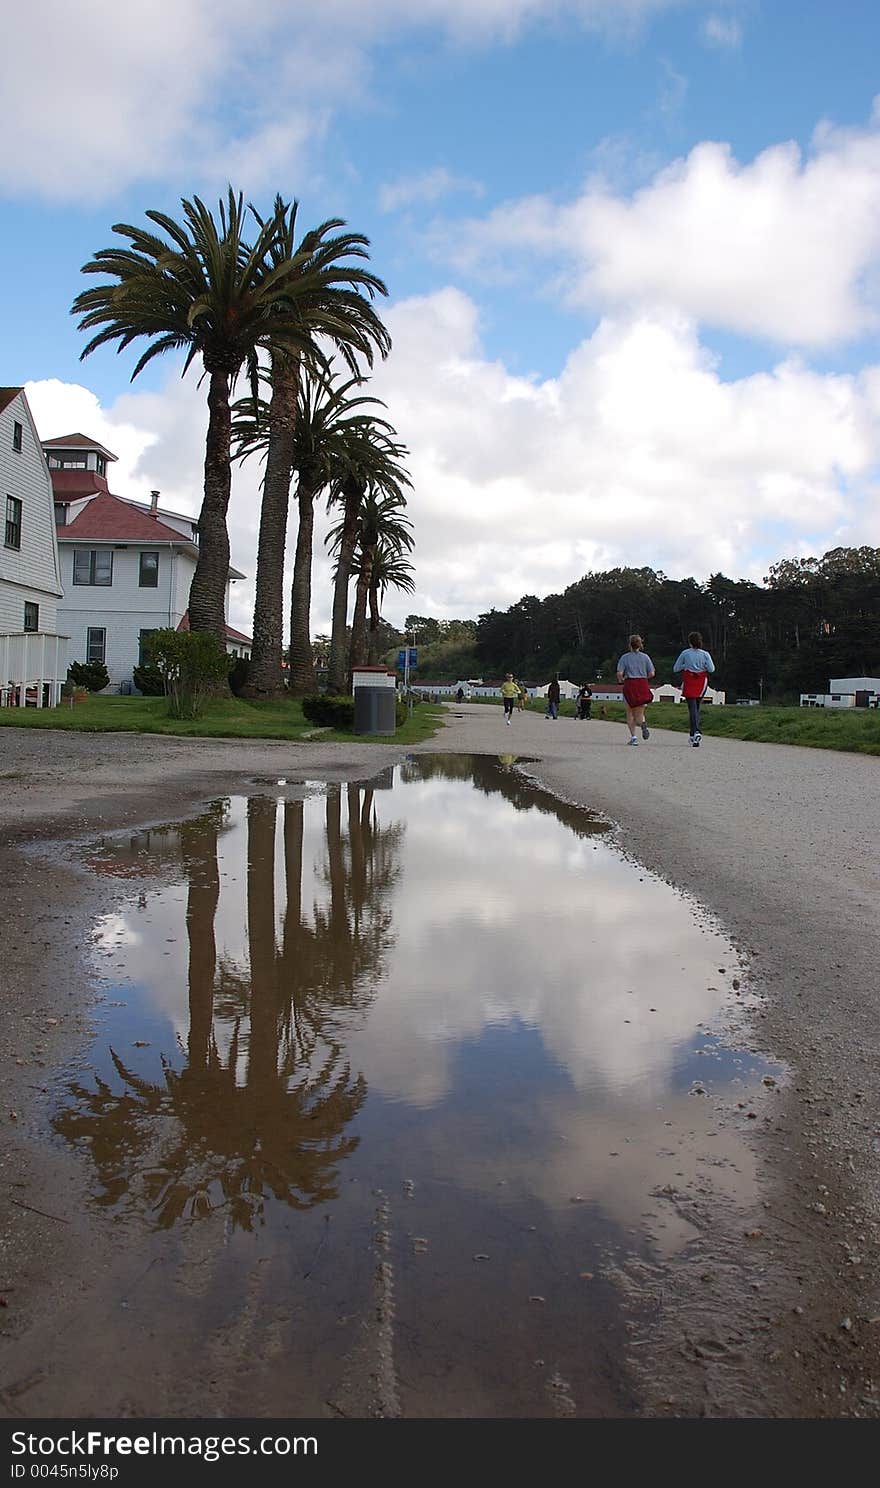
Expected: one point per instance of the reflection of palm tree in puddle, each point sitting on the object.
(267, 1118)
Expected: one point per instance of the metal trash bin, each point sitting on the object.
(374, 710)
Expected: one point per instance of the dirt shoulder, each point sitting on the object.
(779, 842)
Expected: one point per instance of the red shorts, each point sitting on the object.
(636, 692)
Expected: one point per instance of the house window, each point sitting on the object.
(60, 514)
(13, 522)
(17, 436)
(31, 616)
(96, 644)
(144, 657)
(93, 566)
(101, 464)
(149, 571)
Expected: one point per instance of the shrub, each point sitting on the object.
(90, 674)
(331, 712)
(401, 712)
(191, 664)
(149, 680)
(238, 675)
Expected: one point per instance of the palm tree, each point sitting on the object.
(331, 300)
(371, 461)
(203, 290)
(380, 519)
(327, 421)
(391, 570)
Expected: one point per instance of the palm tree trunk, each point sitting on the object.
(359, 620)
(265, 678)
(337, 669)
(302, 667)
(207, 595)
(375, 621)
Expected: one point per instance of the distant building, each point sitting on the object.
(33, 654)
(845, 692)
(126, 567)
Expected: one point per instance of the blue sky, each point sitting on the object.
(632, 248)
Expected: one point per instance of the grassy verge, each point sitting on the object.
(225, 718)
(812, 728)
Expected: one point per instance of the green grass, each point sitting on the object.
(224, 718)
(855, 732)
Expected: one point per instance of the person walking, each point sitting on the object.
(585, 701)
(553, 698)
(697, 666)
(634, 670)
(523, 697)
(509, 695)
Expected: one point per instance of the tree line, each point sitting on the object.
(811, 619)
(243, 295)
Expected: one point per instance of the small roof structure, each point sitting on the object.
(77, 441)
(231, 633)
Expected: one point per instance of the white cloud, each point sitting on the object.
(637, 453)
(724, 31)
(429, 186)
(785, 248)
(103, 94)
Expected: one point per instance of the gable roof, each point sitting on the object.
(7, 394)
(108, 518)
(77, 441)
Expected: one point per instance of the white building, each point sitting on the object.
(845, 692)
(126, 568)
(33, 655)
(664, 692)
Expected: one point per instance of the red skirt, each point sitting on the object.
(636, 692)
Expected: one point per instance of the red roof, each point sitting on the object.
(77, 441)
(71, 485)
(231, 633)
(108, 518)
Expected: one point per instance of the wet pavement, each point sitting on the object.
(390, 1080)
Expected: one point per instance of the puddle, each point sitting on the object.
(389, 1080)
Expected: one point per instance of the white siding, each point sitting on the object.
(31, 572)
(184, 569)
(122, 608)
(854, 684)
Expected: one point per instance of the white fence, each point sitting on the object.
(33, 666)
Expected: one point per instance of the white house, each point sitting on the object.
(33, 655)
(126, 568)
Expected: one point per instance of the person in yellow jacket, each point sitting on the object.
(509, 695)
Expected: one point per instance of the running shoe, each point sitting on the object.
(646, 732)
(698, 739)
(633, 740)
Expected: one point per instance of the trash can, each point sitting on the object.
(374, 710)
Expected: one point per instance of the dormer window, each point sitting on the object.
(101, 465)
